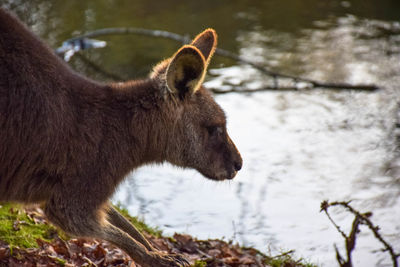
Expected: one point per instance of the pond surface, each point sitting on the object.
(299, 148)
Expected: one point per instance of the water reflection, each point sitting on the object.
(338, 144)
(298, 148)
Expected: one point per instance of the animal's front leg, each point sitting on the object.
(137, 251)
(118, 220)
(85, 221)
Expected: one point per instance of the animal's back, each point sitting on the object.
(33, 101)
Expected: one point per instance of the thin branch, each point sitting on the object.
(351, 239)
(364, 219)
(339, 257)
(224, 53)
(336, 226)
(373, 228)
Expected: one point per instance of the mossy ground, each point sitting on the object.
(20, 228)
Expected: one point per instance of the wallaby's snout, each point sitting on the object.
(234, 162)
(237, 160)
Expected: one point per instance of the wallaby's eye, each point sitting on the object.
(214, 130)
(211, 130)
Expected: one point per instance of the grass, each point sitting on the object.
(199, 263)
(139, 224)
(19, 230)
(288, 261)
(285, 259)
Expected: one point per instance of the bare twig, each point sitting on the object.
(339, 257)
(334, 224)
(224, 53)
(351, 240)
(360, 218)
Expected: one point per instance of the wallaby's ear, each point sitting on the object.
(186, 71)
(206, 42)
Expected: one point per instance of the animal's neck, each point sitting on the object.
(146, 118)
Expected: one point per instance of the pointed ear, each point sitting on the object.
(206, 42)
(186, 71)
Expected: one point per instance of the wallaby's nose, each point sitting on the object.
(238, 165)
(237, 158)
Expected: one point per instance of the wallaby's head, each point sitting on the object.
(198, 138)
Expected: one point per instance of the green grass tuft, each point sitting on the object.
(60, 261)
(287, 260)
(18, 230)
(199, 263)
(139, 224)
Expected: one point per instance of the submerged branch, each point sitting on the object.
(278, 88)
(224, 53)
(137, 31)
(99, 69)
(275, 75)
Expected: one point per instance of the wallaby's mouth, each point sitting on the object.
(220, 176)
(232, 175)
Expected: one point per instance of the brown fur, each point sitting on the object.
(67, 141)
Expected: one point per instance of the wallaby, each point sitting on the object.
(67, 141)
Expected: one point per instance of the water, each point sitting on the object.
(299, 148)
